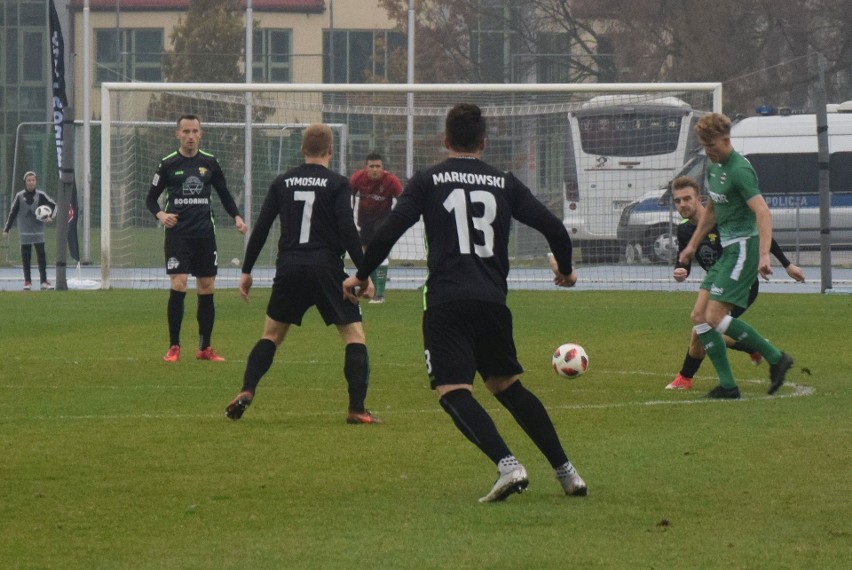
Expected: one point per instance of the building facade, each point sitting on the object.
(129, 40)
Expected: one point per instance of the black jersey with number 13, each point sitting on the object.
(467, 208)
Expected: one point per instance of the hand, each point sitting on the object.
(764, 267)
(565, 280)
(5, 234)
(680, 274)
(241, 225)
(370, 291)
(168, 220)
(796, 272)
(245, 285)
(353, 288)
(560, 279)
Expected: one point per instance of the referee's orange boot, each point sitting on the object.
(173, 354)
(365, 417)
(208, 354)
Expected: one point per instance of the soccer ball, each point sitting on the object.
(43, 213)
(570, 360)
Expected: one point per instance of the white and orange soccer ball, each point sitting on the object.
(570, 360)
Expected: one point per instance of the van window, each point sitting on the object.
(798, 173)
(644, 133)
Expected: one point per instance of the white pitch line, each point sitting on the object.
(798, 392)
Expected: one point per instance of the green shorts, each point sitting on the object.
(732, 276)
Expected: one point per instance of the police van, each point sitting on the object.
(782, 149)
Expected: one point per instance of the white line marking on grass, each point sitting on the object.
(798, 392)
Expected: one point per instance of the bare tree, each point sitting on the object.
(466, 40)
(759, 49)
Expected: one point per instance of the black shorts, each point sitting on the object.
(197, 256)
(298, 288)
(465, 337)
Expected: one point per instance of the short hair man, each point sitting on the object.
(467, 327)
(188, 176)
(375, 189)
(739, 211)
(687, 200)
(313, 204)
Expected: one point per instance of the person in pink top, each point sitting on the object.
(375, 189)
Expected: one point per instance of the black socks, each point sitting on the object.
(206, 315)
(175, 315)
(259, 361)
(356, 369)
(531, 415)
(474, 422)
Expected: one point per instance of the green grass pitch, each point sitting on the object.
(113, 459)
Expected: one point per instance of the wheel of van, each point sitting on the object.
(661, 244)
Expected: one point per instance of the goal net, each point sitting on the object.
(587, 151)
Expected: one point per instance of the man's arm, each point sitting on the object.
(528, 210)
(13, 213)
(221, 186)
(346, 225)
(405, 214)
(268, 212)
(764, 233)
(791, 268)
(158, 185)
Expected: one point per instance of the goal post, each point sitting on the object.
(532, 131)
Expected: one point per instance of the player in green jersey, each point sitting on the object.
(744, 222)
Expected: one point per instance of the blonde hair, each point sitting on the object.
(316, 140)
(712, 126)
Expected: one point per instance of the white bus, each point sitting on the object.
(624, 146)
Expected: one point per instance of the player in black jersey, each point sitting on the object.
(688, 203)
(317, 228)
(188, 176)
(467, 208)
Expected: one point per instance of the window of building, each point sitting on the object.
(491, 42)
(129, 55)
(271, 56)
(553, 61)
(362, 56)
(33, 43)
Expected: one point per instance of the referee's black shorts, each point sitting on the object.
(462, 338)
(191, 255)
(297, 288)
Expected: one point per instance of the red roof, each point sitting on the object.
(305, 6)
